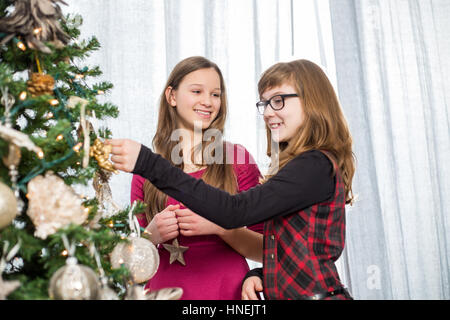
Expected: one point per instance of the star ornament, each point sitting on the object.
(176, 251)
(6, 287)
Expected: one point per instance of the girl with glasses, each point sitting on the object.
(302, 199)
(202, 258)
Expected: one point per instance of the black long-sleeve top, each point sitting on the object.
(304, 181)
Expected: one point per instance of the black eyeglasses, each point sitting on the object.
(276, 102)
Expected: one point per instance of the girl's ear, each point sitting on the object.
(170, 97)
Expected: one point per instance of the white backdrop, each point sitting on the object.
(397, 235)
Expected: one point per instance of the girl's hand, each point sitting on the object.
(191, 224)
(125, 153)
(164, 225)
(250, 286)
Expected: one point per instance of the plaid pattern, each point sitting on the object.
(300, 249)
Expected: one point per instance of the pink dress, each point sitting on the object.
(213, 270)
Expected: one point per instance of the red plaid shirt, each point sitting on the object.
(300, 249)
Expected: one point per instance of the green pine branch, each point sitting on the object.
(54, 127)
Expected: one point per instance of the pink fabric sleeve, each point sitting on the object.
(137, 193)
(247, 174)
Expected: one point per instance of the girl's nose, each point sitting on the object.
(206, 100)
(268, 112)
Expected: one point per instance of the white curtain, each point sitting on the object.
(393, 71)
(385, 58)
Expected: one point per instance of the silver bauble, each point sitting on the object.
(74, 282)
(139, 256)
(165, 294)
(8, 205)
(106, 293)
(136, 292)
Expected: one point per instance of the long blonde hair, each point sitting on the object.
(324, 126)
(218, 175)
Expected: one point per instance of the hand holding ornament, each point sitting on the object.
(191, 224)
(163, 226)
(125, 153)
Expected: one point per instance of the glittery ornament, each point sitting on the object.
(53, 205)
(105, 292)
(136, 292)
(74, 282)
(165, 294)
(103, 193)
(40, 84)
(8, 205)
(101, 152)
(139, 256)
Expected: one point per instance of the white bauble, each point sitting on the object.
(106, 293)
(140, 256)
(74, 282)
(8, 205)
(165, 294)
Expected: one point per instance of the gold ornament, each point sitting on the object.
(74, 282)
(8, 205)
(53, 205)
(101, 152)
(176, 251)
(139, 256)
(41, 84)
(13, 158)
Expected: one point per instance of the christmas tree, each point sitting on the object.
(50, 235)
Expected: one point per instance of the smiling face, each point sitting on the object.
(285, 123)
(197, 98)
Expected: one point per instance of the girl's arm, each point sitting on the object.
(246, 242)
(304, 181)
